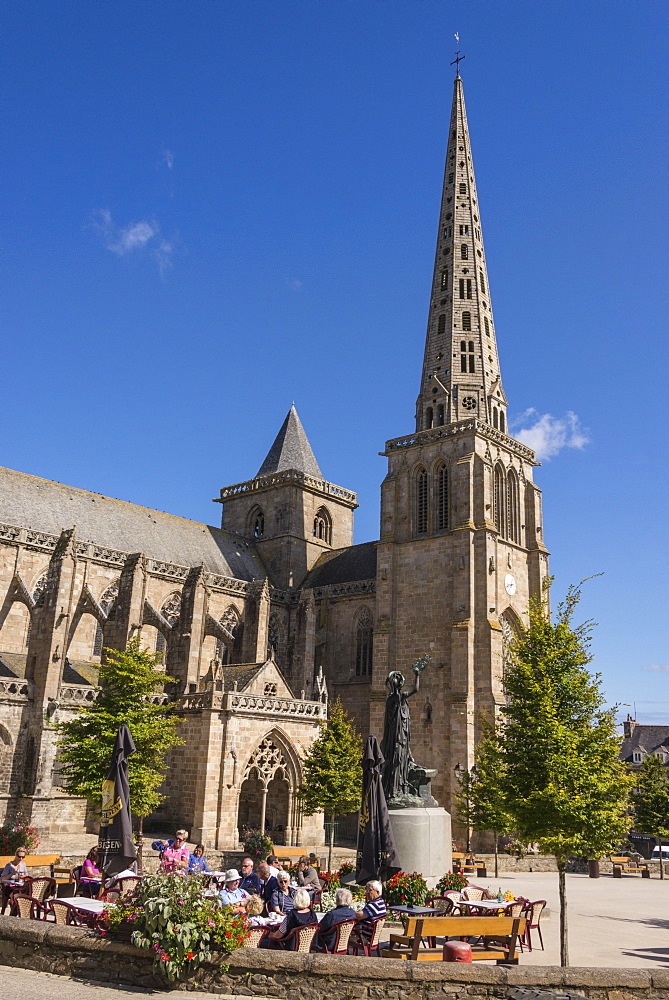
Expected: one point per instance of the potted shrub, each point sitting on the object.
(409, 889)
(450, 882)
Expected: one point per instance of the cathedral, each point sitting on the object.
(264, 619)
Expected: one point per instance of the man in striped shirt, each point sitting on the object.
(374, 907)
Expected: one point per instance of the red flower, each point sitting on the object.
(190, 954)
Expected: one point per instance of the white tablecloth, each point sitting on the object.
(86, 904)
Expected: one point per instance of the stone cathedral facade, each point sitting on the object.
(262, 619)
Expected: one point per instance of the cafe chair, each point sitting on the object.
(302, 936)
(343, 930)
(373, 943)
(533, 913)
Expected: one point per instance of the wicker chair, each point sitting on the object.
(516, 908)
(126, 885)
(41, 888)
(299, 939)
(456, 899)
(64, 913)
(533, 913)
(28, 907)
(475, 893)
(257, 935)
(110, 895)
(444, 904)
(371, 944)
(342, 931)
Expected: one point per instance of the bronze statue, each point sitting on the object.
(399, 778)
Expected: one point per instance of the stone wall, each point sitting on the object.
(70, 951)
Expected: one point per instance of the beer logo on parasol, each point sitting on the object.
(110, 806)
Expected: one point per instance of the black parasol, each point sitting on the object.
(116, 847)
(377, 855)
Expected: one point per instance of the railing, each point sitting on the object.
(290, 476)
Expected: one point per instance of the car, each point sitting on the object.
(655, 856)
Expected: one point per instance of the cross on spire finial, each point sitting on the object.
(458, 58)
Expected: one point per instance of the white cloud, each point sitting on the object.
(662, 668)
(547, 435)
(137, 236)
(168, 158)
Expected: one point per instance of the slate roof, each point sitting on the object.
(243, 673)
(74, 671)
(648, 738)
(291, 450)
(344, 566)
(31, 502)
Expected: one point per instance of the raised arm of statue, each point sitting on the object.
(417, 667)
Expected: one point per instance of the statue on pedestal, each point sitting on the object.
(404, 782)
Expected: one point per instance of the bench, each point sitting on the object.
(467, 864)
(499, 934)
(36, 861)
(628, 866)
(290, 856)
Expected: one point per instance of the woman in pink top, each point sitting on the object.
(175, 858)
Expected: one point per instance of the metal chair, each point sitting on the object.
(533, 913)
(368, 943)
(299, 939)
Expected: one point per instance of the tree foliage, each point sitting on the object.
(332, 773)
(127, 682)
(482, 802)
(650, 798)
(563, 780)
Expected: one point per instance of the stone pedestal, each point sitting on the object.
(423, 841)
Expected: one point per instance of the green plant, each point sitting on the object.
(169, 915)
(128, 681)
(410, 888)
(332, 775)
(13, 837)
(450, 882)
(258, 845)
(331, 879)
(345, 868)
(650, 801)
(563, 781)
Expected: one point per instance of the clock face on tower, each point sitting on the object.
(510, 584)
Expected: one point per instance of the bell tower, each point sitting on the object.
(461, 549)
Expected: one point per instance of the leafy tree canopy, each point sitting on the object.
(332, 772)
(128, 680)
(650, 798)
(563, 780)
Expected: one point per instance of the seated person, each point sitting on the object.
(253, 907)
(268, 883)
(342, 910)
(281, 901)
(90, 878)
(250, 880)
(16, 870)
(307, 875)
(301, 915)
(197, 863)
(232, 895)
(374, 907)
(274, 865)
(175, 859)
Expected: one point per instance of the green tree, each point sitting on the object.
(332, 771)
(489, 808)
(563, 780)
(464, 802)
(127, 682)
(650, 801)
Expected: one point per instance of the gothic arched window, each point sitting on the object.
(275, 637)
(440, 415)
(421, 502)
(482, 281)
(442, 498)
(513, 507)
(364, 643)
(500, 500)
(257, 523)
(107, 603)
(501, 421)
(429, 418)
(464, 252)
(466, 321)
(495, 417)
(323, 525)
(171, 609)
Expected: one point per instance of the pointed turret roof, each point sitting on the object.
(461, 374)
(291, 450)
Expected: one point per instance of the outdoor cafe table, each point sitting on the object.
(417, 911)
(87, 905)
(486, 906)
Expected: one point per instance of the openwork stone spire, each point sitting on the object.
(461, 374)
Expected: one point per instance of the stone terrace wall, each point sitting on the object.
(70, 951)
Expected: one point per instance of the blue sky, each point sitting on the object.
(210, 210)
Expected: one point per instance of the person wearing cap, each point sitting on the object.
(232, 895)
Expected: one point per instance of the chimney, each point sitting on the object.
(628, 725)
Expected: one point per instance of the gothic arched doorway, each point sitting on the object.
(267, 793)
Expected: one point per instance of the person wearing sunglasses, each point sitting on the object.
(15, 871)
(175, 858)
(281, 900)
